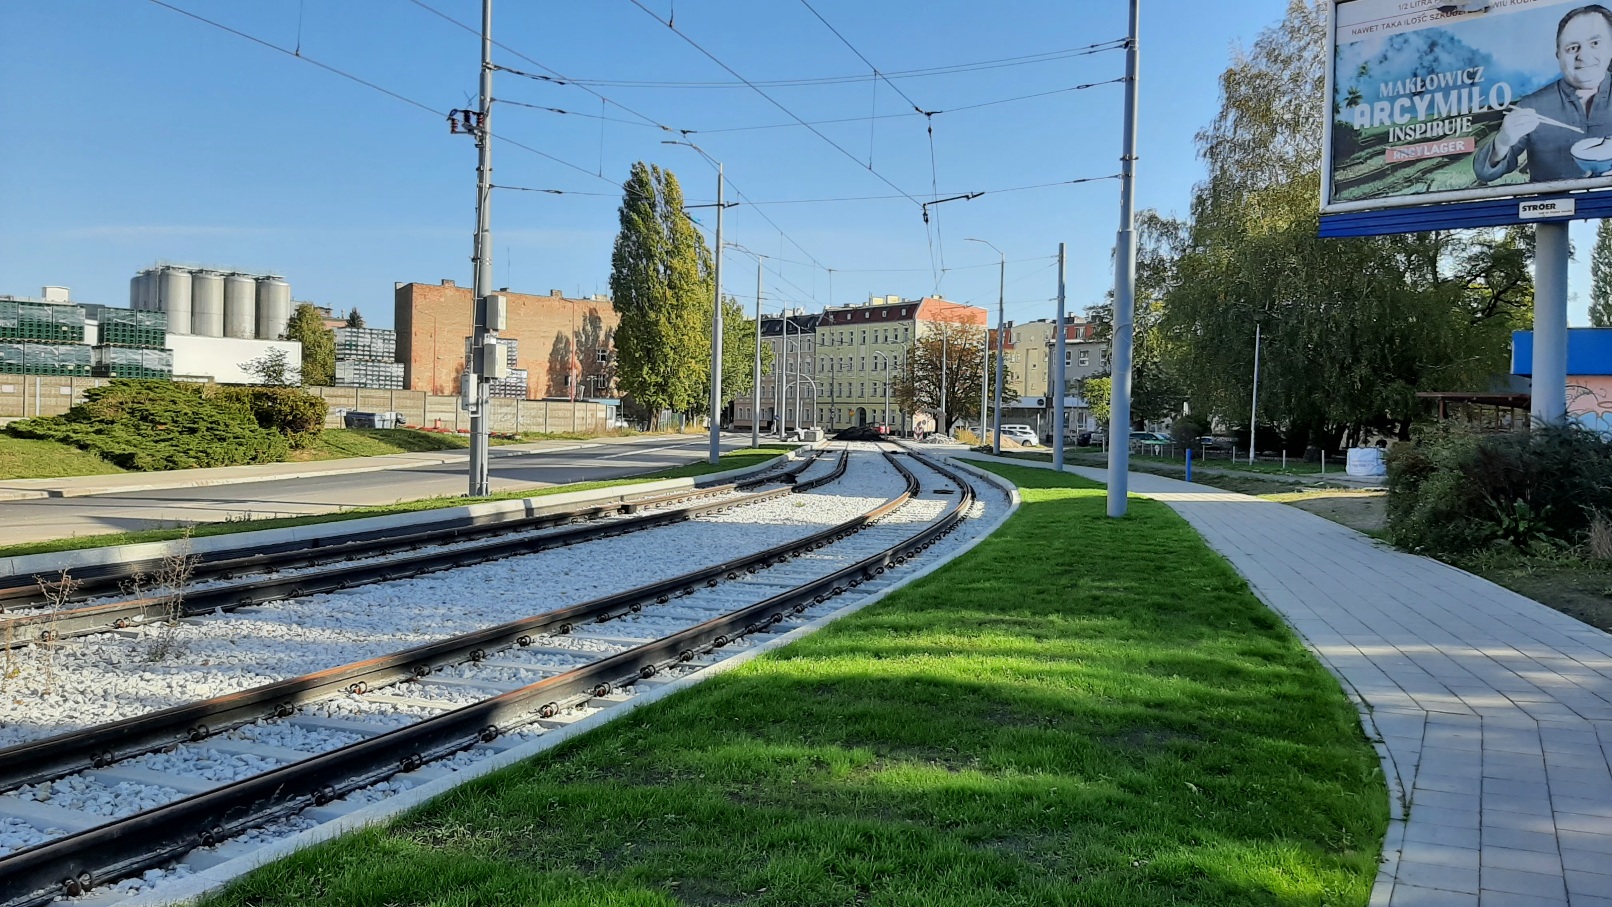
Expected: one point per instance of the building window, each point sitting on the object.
(604, 355)
(1085, 358)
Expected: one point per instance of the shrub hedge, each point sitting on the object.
(152, 425)
(1454, 491)
(297, 415)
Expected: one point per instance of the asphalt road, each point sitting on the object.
(53, 518)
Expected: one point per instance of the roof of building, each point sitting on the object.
(773, 325)
(929, 308)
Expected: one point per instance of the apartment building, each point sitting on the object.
(1030, 348)
(789, 386)
(861, 349)
(1028, 370)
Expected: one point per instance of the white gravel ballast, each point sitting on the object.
(95, 679)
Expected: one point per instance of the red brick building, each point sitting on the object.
(566, 346)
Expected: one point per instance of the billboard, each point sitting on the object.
(1444, 101)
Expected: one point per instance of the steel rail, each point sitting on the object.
(226, 563)
(104, 744)
(75, 863)
(50, 626)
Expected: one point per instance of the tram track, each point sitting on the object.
(421, 553)
(24, 591)
(75, 862)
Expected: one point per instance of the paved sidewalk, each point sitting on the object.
(117, 483)
(1491, 712)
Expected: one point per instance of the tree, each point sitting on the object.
(1601, 276)
(274, 369)
(307, 327)
(917, 386)
(1350, 329)
(660, 281)
(354, 319)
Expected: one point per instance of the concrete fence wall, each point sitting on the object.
(38, 395)
(23, 396)
(428, 411)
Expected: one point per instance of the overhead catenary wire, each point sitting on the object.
(559, 78)
(837, 199)
(297, 55)
(774, 102)
(951, 69)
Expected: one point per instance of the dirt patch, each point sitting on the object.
(1583, 593)
(1363, 511)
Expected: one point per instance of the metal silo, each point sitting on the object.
(273, 307)
(145, 290)
(134, 290)
(207, 304)
(240, 307)
(173, 297)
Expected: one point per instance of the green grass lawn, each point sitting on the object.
(734, 459)
(1085, 456)
(1080, 711)
(27, 458)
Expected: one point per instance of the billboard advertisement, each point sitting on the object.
(1454, 100)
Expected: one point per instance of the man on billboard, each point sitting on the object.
(1561, 129)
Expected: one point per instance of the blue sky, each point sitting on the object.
(136, 134)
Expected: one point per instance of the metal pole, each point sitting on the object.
(1059, 351)
(1001, 352)
(1119, 423)
(800, 343)
(755, 413)
(943, 385)
(1253, 405)
(1550, 322)
(716, 333)
(782, 395)
(480, 417)
(985, 379)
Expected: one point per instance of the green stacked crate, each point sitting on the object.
(11, 358)
(124, 327)
(132, 362)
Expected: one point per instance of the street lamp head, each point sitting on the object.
(988, 243)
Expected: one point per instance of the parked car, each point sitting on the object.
(1208, 442)
(1023, 434)
(1149, 440)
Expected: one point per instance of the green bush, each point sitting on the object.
(152, 425)
(1188, 429)
(298, 415)
(1455, 491)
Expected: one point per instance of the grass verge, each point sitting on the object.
(1109, 720)
(1295, 467)
(28, 458)
(735, 459)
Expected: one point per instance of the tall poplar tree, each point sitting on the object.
(307, 327)
(1601, 276)
(660, 286)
